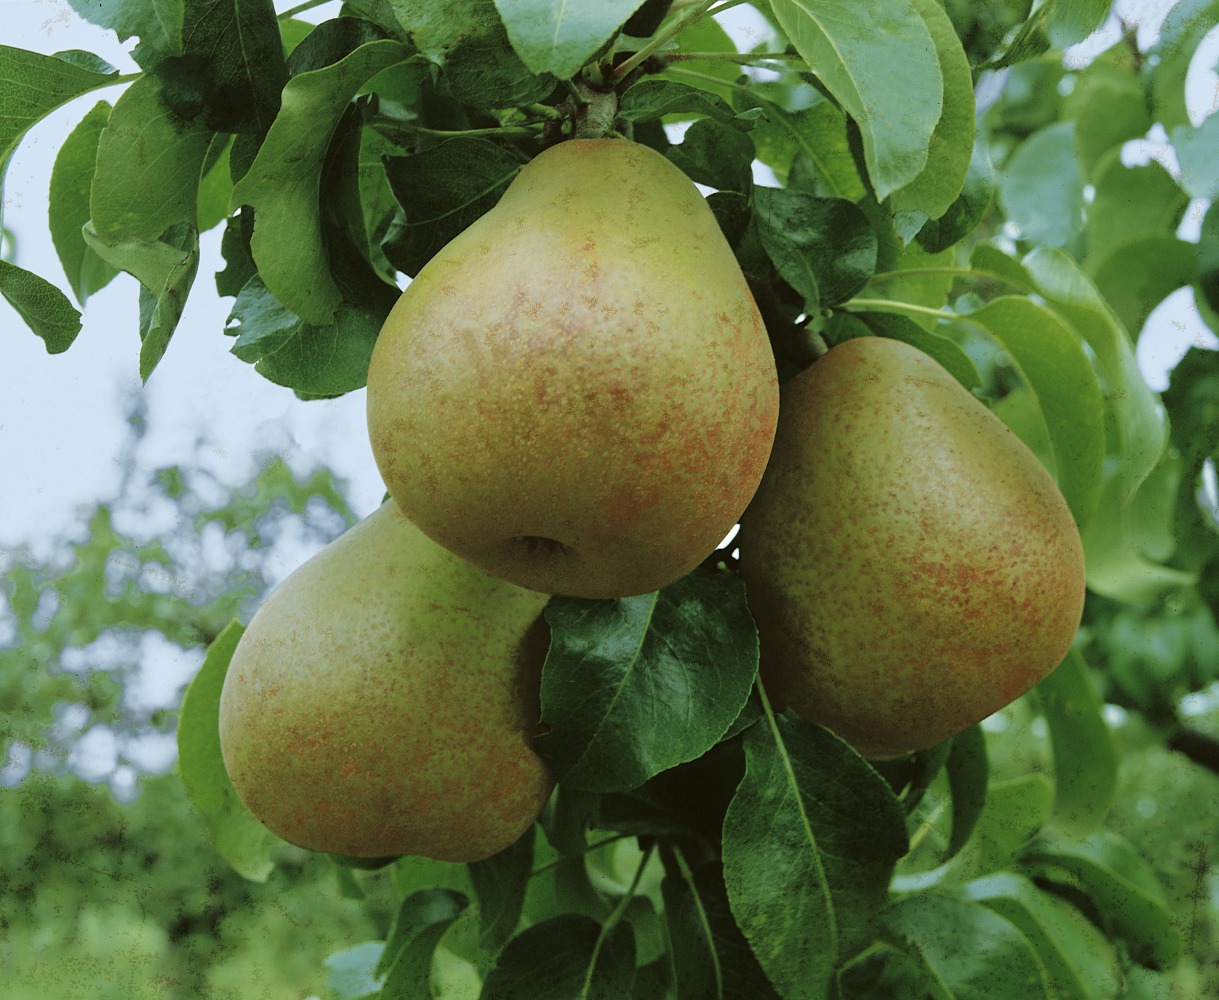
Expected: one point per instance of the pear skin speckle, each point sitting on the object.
(383, 700)
(602, 379)
(911, 565)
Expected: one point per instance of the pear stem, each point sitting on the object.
(598, 109)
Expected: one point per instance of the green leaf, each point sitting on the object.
(1117, 567)
(442, 190)
(1130, 203)
(825, 249)
(71, 184)
(1079, 960)
(326, 359)
(882, 972)
(43, 307)
(879, 61)
(1041, 188)
(1052, 362)
(231, 68)
(711, 958)
(939, 184)
(1139, 275)
(964, 214)
(651, 100)
(810, 150)
(1071, 21)
(436, 27)
(568, 957)
(32, 86)
(1108, 106)
(165, 270)
(1183, 29)
(1129, 898)
(810, 843)
(149, 163)
(717, 155)
(422, 920)
(1085, 757)
(634, 686)
(1198, 153)
(1142, 433)
(1014, 811)
(241, 840)
(283, 183)
(499, 883)
(968, 772)
(158, 25)
(555, 36)
(974, 953)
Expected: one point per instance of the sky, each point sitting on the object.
(62, 417)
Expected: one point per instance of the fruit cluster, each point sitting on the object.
(577, 396)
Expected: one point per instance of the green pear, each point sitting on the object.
(911, 566)
(383, 700)
(577, 393)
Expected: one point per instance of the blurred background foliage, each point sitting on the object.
(109, 884)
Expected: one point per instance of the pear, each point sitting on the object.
(577, 393)
(383, 700)
(912, 567)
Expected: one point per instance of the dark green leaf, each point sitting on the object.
(554, 36)
(1079, 960)
(283, 181)
(1123, 887)
(809, 150)
(974, 953)
(443, 190)
(43, 307)
(486, 73)
(1085, 758)
(650, 100)
(565, 958)
(318, 359)
(235, 248)
(500, 883)
(823, 248)
(717, 155)
(878, 59)
(968, 773)
(634, 686)
(239, 837)
(711, 958)
(810, 842)
(149, 162)
(231, 69)
(71, 184)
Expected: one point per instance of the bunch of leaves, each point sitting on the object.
(700, 844)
